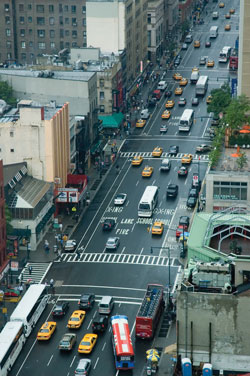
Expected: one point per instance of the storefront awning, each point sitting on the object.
(112, 121)
(95, 147)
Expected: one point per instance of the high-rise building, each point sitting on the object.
(244, 49)
(30, 28)
(3, 259)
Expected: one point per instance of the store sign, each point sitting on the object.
(14, 266)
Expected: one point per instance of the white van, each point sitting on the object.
(162, 85)
(145, 114)
(106, 305)
(213, 31)
(186, 120)
(215, 15)
(189, 38)
(165, 164)
(194, 77)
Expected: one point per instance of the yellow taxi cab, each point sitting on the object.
(46, 331)
(228, 16)
(197, 44)
(177, 76)
(76, 319)
(195, 69)
(140, 123)
(183, 82)
(169, 104)
(209, 99)
(157, 152)
(157, 228)
(187, 159)
(210, 63)
(232, 11)
(147, 172)
(87, 343)
(178, 91)
(227, 27)
(137, 161)
(221, 5)
(166, 114)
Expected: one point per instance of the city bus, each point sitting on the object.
(12, 340)
(148, 201)
(30, 307)
(122, 343)
(224, 54)
(201, 86)
(186, 120)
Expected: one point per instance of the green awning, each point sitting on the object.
(95, 147)
(111, 121)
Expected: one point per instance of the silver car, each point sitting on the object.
(120, 198)
(112, 243)
(83, 367)
(67, 342)
(70, 246)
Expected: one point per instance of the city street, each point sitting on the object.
(140, 258)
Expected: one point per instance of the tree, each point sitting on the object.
(6, 93)
(236, 112)
(221, 98)
(8, 218)
(185, 26)
(241, 160)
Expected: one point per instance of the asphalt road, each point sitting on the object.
(125, 273)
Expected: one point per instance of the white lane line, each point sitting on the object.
(105, 287)
(97, 360)
(141, 252)
(123, 249)
(133, 227)
(103, 347)
(169, 227)
(90, 323)
(205, 128)
(71, 364)
(137, 182)
(50, 360)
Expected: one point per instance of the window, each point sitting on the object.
(29, 6)
(229, 190)
(22, 32)
(23, 56)
(73, 9)
(61, 45)
(149, 38)
(30, 43)
(23, 44)
(85, 34)
(21, 20)
(74, 22)
(51, 21)
(66, 33)
(6, 7)
(61, 20)
(51, 8)
(60, 8)
(67, 45)
(149, 18)
(12, 150)
(84, 22)
(21, 7)
(66, 21)
(41, 33)
(61, 33)
(74, 44)
(30, 19)
(66, 8)
(9, 56)
(8, 44)
(40, 8)
(74, 34)
(84, 9)
(7, 20)
(31, 56)
(8, 32)
(11, 134)
(52, 45)
(101, 95)
(102, 108)
(41, 46)
(101, 82)
(52, 33)
(129, 8)
(30, 31)
(40, 20)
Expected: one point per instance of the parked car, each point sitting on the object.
(184, 220)
(86, 301)
(184, 46)
(191, 202)
(193, 192)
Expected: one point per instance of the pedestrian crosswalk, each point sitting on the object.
(37, 272)
(120, 258)
(147, 154)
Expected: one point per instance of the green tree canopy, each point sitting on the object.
(8, 219)
(236, 112)
(221, 98)
(6, 93)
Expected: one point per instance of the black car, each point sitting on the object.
(60, 309)
(152, 102)
(184, 221)
(215, 120)
(182, 171)
(182, 102)
(168, 93)
(108, 224)
(208, 44)
(172, 190)
(191, 202)
(86, 301)
(193, 192)
(195, 101)
(100, 324)
(173, 150)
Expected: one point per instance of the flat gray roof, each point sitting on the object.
(58, 75)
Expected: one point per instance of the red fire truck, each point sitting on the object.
(149, 312)
(233, 59)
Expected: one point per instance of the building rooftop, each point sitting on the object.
(58, 75)
(228, 161)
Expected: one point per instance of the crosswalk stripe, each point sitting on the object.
(120, 258)
(39, 270)
(204, 157)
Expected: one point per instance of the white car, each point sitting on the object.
(120, 198)
(70, 246)
(113, 243)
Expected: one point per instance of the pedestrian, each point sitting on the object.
(60, 227)
(21, 288)
(51, 283)
(65, 238)
(30, 269)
